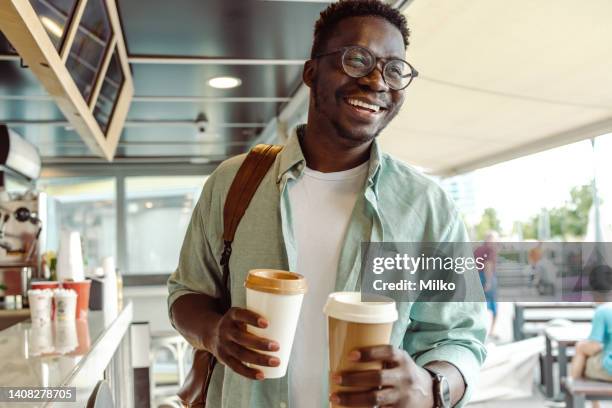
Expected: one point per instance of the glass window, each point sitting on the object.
(109, 93)
(90, 46)
(158, 211)
(54, 16)
(86, 205)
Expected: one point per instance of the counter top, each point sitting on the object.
(61, 354)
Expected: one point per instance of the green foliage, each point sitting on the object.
(569, 220)
(488, 222)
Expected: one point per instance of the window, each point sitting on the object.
(158, 210)
(86, 205)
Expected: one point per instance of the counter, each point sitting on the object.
(77, 354)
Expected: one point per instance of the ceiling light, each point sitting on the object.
(52, 26)
(224, 82)
(149, 204)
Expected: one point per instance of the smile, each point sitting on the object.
(361, 105)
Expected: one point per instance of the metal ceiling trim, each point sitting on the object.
(191, 60)
(9, 57)
(168, 99)
(196, 99)
(78, 143)
(138, 123)
(198, 60)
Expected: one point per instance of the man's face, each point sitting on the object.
(332, 88)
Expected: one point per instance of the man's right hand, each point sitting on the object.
(233, 345)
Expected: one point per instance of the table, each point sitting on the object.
(548, 311)
(564, 337)
(70, 354)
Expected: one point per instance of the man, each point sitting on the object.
(329, 190)
(593, 357)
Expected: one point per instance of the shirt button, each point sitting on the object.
(283, 405)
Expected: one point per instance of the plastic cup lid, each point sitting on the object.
(64, 293)
(349, 306)
(40, 292)
(276, 281)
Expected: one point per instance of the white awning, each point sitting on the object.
(500, 80)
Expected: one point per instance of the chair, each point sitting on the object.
(164, 395)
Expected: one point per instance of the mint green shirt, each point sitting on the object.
(398, 204)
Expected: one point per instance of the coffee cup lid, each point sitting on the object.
(349, 306)
(276, 281)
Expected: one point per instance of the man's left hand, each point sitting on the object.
(400, 383)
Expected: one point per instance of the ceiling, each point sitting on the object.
(265, 42)
(502, 79)
(498, 80)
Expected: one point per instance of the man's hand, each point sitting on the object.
(400, 384)
(233, 345)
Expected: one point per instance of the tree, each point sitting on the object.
(488, 222)
(569, 220)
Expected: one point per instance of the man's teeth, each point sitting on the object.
(362, 104)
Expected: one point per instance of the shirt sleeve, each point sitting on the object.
(198, 270)
(598, 330)
(451, 331)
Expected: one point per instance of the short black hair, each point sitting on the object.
(355, 8)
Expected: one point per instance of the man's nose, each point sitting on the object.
(374, 80)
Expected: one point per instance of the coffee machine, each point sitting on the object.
(22, 214)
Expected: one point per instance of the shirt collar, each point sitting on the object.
(292, 157)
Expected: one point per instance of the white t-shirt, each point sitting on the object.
(321, 207)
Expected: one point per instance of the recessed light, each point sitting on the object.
(149, 205)
(224, 82)
(52, 26)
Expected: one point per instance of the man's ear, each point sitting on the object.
(309, 73)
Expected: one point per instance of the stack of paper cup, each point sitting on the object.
(70, 257)
(277, 296)
(65, 304)
(40, 305)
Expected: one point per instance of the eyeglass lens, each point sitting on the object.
(359, 62)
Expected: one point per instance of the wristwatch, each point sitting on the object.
(441, 390)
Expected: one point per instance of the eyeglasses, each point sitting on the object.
(358, 62)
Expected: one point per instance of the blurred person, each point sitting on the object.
(534, 256)
(488, 252)
(330, 189)
(593, 359)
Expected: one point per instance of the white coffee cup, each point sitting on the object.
(65, 304)
(277, 296)
(40, 305)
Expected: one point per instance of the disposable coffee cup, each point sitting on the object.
(352, 324)
(82, 289)
(277, 296)
(65, 304)
(40, 305)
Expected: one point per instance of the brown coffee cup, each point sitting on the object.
(352, 324)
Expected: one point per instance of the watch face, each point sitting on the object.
(445, 397)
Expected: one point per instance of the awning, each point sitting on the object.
(500, 80)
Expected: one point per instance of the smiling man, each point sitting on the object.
(329, 190)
